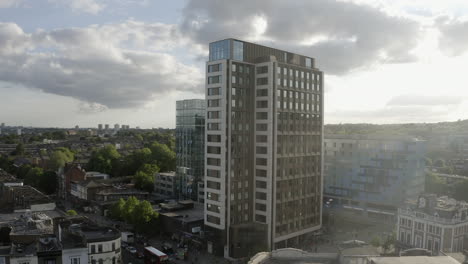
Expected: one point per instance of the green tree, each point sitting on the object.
(134, 161)
(144, 181)
(59, 135)
(376, 241)
(165, 158)
(434, 184)
(117, 209)
(103, 159)
(23, 171)
(33, 176)
(150, 169)
(439, 163)
(48, 182)
(389, 242)
(60, 157)
(128, 209)
(428, 162)
(461, 191)
(143, 215)
(19, 150)
(72, 213)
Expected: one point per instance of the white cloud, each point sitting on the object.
(115, 66)
(10, 3)
(343, 36)
(86, 6)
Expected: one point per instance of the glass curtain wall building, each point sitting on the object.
(373, 175)
(263, 154)
(190, 142)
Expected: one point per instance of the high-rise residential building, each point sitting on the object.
(190, 147)
(263, 166)
(116, 127)
(99, 126)
(106, 126)
(373, 175)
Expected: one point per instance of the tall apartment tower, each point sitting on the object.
(264, 133)
(190, 145)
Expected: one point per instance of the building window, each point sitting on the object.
(261, 150)
(260, 218)
(308, 62)
(214, 138)
(212, 196)
(113, 246)
(233, 79)
(213, 185)
(260, 207)
(101, 261)
(214, 67)
(213, 173)
(214, 79)
(262, 104)
(262, 81)
(213, 208)
(213, 219)
(261, 161)
(262, 92)
(262, 69)
(213, 126)
(261, 138)
(74, 260)
(213, 114)
(260, 173)
(49, 261)
(213, 162)
(261, 127)
(261, 184)
(262, 115)
(213, 103)
(260, 195)
(213, 150)
(93, 249)
(214, 91)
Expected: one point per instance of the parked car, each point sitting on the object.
(132, 250)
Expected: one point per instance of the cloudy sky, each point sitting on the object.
(83, 62)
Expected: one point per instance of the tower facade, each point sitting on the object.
(190, 142)
(263, 154)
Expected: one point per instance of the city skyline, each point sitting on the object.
(131, 60)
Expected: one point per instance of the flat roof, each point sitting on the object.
(414, 260)
(188, 215)
(155, 251)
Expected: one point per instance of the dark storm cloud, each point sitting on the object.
(353, 35)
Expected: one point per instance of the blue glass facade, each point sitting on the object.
(383, 171)
(220, 50)
(190, 142)
(238, 50)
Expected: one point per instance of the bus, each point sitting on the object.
(154, 256)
